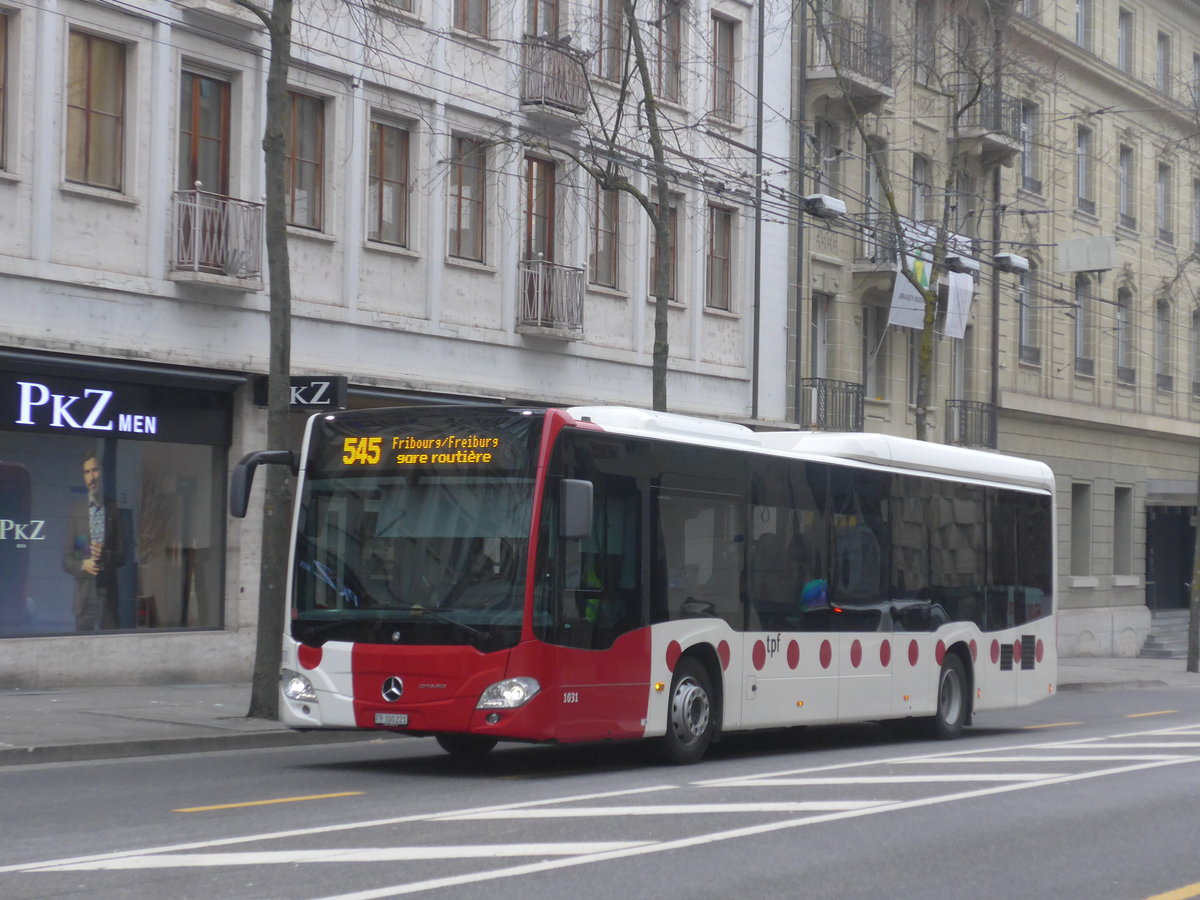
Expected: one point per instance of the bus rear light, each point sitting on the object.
(296, 686)
(508, 694)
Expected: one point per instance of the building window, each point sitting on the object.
(468, 185)
(3, 89)
(203, 134)
(924, 42)
(1084, 338)
(387, 185)
(1081, 529)
(1028, 137)
(1163, 363)
(672, 263)
(1195, 214)
(666, 46)
(96, 111)
(1122, 549)
(1195, 98)
(540, 181)
(471, 16)
(1164, 202)
(1085, 199)
(724, 49)
(603, 264)
(875, 352)
(133, 517)
(922, 188)
(1083, 23)
(1126, 349)
(1196, 353)
(1162, 70)
(1126, 188)
(304, 165)
(1125, 41)
(609, 59)
(720, 258)
(1028, 318)
(542, 18)
(825, 167)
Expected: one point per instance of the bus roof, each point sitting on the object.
(869, 448)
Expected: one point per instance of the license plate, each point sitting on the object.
(391, 719)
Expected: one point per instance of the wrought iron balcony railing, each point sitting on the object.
(854, 47)
(552, 75)
(995, 113)
(551, 297)
(217, 235)
(829, 405)
(971, 423)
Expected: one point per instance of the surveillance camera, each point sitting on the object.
(824, 207)
(956, 263)
(1010, 262)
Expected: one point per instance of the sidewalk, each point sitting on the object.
(72, 724)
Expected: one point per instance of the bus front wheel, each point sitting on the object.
(947, 723)
(690, 718)
(466, 745)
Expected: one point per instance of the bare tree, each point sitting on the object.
(264, 693)
(963, 60)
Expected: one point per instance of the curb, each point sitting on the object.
(1112, 685)
(56, 753)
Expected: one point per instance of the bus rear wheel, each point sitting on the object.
(466, 746)
(690, 718)
(947, 723)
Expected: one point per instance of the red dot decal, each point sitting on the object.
(856, 654)
(885, 654)
(1016, 652)
(1039, 651)
(826, 654)
(995, 652)
(793, 654)
(673, 651)
(914, 653)
(759, 655)
(723, 653)
(974, 651)
(939, 652)
(309, 657)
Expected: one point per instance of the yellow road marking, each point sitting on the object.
(1183, 893)
(1052, 725)
(268, 802)
(1161, 712)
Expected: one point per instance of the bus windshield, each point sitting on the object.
(414, 528)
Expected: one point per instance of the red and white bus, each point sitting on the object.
(487, 574)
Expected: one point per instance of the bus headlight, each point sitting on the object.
(296, 686)
(508, 694)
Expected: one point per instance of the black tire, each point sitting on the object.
(466, 746)
(691, 714)
(952, 700)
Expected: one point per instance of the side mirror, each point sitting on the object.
(242, 478)
(574, 508)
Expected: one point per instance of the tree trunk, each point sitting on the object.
(264, 693)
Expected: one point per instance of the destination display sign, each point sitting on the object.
(391, 440)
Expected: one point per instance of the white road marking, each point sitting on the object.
(848, 781)
(1126, 757)
(674, 809)
(351, 855)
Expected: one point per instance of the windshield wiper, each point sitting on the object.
(442, 617)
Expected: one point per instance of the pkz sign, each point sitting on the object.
(53, 404)
(314, 392)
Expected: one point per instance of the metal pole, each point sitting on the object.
(802, 121)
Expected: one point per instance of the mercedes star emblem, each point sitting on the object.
(393, 687)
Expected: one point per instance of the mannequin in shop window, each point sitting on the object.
(94, 550)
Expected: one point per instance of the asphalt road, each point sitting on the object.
(1088, 795)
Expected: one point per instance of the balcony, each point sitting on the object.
(991, 127)
(552, 76)
(551, 300)
(971, 423)
(849, 61)
(217, 240)
(829, 405)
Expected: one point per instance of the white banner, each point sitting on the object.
(958, 305)
(908, 306)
